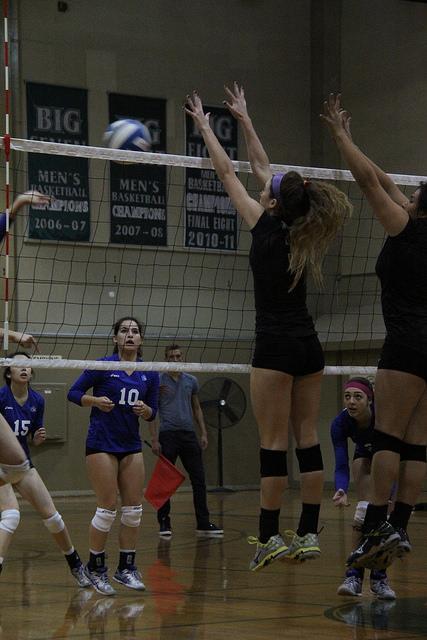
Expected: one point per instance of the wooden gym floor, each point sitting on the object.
(201, 588)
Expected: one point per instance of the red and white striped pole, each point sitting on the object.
(6, 147)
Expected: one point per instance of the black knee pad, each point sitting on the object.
(384, 442)
(310, 459)
(416, 452)
(273, 463)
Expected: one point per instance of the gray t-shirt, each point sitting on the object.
(175, 408)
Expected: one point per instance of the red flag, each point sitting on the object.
(164, 481)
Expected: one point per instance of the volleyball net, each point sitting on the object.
(158, 239)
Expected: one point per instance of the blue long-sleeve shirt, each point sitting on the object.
(343, 428)
(118, 430)
(2, 226)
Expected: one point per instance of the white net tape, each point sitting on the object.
(188, 367)
(168, 159)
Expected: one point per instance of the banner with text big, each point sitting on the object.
(58, 114)
(138, 191)
(210, 218)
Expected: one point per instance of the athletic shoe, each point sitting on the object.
(130, 578)
(377, 550)
(302, 547)
(382, 589)
(404, 546)
(100, 581)
(165, 528)
(209, 530)
(267, 553)
(78, 574)
(352, 586)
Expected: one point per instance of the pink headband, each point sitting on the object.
(361, 387)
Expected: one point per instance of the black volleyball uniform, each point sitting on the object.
(402, 270)
(286, 339)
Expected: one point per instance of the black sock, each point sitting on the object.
(357, 573)
(268, 524)
(400, 515)
(374, 516)
(127, 560)
(96, 560)
(73, 559)
(309, 519)
(378, 574)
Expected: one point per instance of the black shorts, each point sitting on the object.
(294, 356)
(117, 454)
(361, 451)
(397, 357)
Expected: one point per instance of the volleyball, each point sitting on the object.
(128, 135)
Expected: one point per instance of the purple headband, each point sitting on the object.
(275, 185)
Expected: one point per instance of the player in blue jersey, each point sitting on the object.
(356, 422)
(114, 452)
(13, 461)
(23, 409)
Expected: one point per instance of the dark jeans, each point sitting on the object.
(184, 444)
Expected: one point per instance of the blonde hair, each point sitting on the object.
(311, 234)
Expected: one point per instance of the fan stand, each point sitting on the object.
(220, 488)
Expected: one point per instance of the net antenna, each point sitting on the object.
(6, 149)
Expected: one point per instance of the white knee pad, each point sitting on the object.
(360, 512)
(103, 519)
(55, 523)
(131, 516)
(10, 520)
(12, 473)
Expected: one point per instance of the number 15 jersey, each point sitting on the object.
(23, 419)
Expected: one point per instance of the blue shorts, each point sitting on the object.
(117, 454)
(361, 451)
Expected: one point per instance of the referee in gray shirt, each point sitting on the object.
(179, 409)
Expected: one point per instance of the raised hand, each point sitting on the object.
(194, 107)
(29, 198)
(236, 101)
(334, 116)
(23, 339)
(346, 119)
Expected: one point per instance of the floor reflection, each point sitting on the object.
(100, 614)
(180, 605)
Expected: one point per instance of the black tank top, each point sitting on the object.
(402, 270)
(278, 311)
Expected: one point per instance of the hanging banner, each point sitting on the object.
(210, 218)
(138, 191)
(58, 114)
